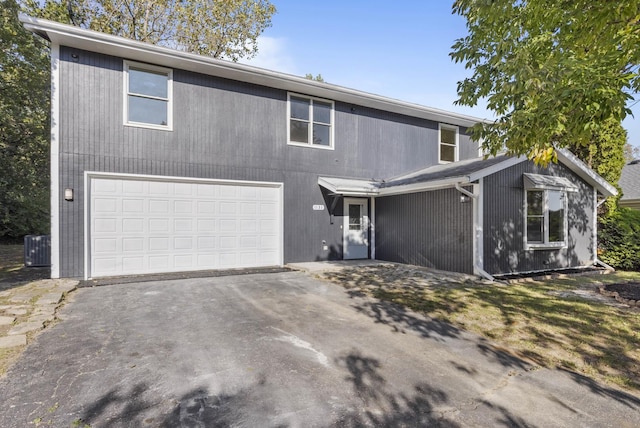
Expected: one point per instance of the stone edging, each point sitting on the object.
(48, 295)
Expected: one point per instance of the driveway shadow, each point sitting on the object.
(399, 319)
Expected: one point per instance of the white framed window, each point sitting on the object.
(448, 143)
(546, 218)
(148, 96)
(310, 121)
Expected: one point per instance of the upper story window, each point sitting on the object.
(310, 121)
(148, 96)
(448, 138)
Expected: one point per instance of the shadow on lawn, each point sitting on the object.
(585, 333)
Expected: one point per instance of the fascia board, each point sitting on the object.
(572, 162)
(422, 187)
(94, 41)
(327, 185)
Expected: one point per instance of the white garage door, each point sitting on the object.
(140, 226)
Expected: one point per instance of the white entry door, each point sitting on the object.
(144, 225)
(356, 229)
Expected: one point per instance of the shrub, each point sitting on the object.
(619, 239)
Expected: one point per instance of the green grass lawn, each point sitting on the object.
(545, 322)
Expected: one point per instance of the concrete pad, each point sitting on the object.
(7, 320)
(25, 327)
(13, 341)
(334, 265)
(52, 298)
(282, 350)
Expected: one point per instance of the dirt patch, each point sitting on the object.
(628, 293)
(13, 272)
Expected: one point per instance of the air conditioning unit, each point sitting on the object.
(37, 250)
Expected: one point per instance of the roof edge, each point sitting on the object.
(572, 162)
(68, 35)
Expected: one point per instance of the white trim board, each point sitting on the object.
(55, 161)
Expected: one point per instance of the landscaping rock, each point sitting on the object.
(7, 320)
(21, 298)
(48, 310)
(50, 298)
(66, 285)
(15, 311)
(26, 327)
(13, 341)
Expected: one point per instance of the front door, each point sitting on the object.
(356, 229)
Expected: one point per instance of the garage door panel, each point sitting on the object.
(149, 226)
(159, 206)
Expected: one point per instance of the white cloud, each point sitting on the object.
(273, 55)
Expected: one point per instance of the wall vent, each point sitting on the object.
(37, 250)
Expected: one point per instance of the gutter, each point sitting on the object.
(604, 265)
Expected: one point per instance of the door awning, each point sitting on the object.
(350, 186)
(537, 181)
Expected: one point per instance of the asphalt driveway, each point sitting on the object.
(280, 350)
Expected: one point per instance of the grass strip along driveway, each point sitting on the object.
(558, 323)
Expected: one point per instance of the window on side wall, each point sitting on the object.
(148, 96)
(546, 222)
(448, 138)
(310, 121)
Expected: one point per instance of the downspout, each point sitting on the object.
(598, 261)
(477, 268)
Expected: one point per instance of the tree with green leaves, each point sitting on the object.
(221, 29)
(24, 128)
(317, 78)
(556, 73)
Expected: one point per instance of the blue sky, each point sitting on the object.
(396, 49)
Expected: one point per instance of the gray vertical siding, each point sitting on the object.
(504, 223)
(432, 229)
(224, 129)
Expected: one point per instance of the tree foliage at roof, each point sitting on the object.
(554, 71)
(221, 29)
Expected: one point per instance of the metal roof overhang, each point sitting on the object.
(537, 181)
(349, 186)
(367, 188)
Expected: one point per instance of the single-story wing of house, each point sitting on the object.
(167, 161)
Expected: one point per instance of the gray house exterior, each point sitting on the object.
(630, 184)
(166, 161)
